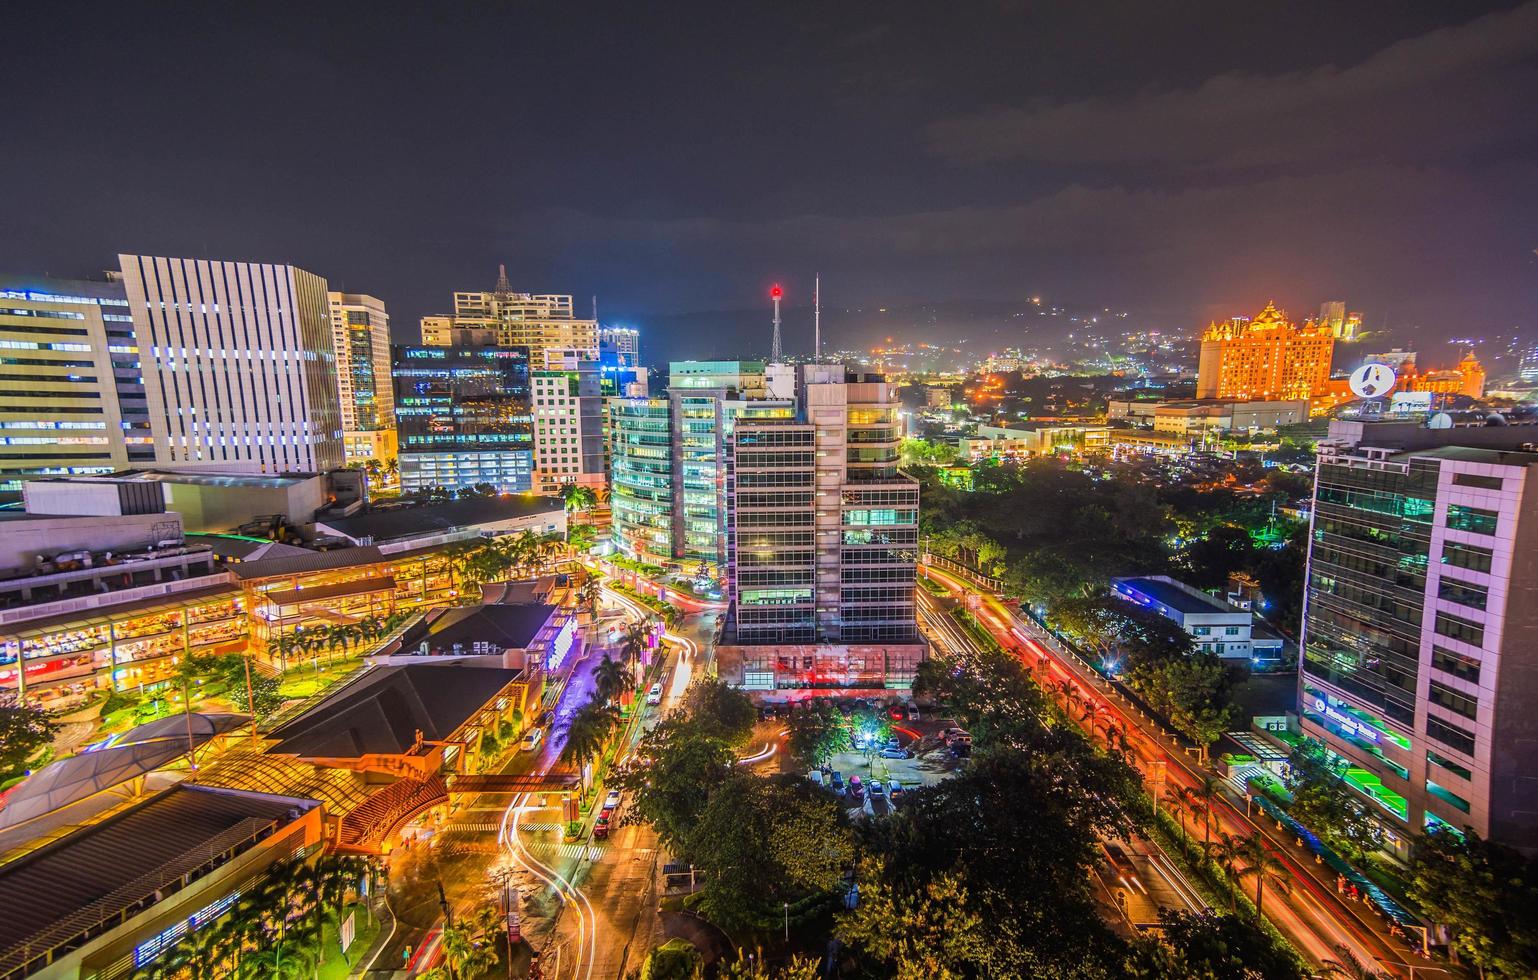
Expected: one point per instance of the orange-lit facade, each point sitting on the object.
(1269, 358)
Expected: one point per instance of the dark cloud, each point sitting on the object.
(1426, 96)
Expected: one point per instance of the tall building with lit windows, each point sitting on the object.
(668, 462)
(360, 335)
(71, 393)
(463, 416)
(823, 543)
(511, 319)
(238, 363)
(567, 408)
(1268, 358)
(1420, 633)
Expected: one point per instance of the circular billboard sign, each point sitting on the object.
(1372, 381)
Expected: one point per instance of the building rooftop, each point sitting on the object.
(1476, 454)
(79, 881)
(273, 481)
(1164, 591)
(509, 626)
(405, 523)
(383, 710)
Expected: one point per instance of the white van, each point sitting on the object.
(532, 739)
(654, 696)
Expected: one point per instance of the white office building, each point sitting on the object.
(238, 361)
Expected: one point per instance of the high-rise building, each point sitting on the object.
(463, 417)
(1419, 663)
(668, 461)
(745, 377)
(624, 343)
(823, 542)
(71, 392)
(568, 424)
(1527, 364)
(360, 334)
(527, 320)
(1268, 358)
(239, 368)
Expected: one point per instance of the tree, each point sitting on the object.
(754, 968)
(1486, 894)
(686, 768)
(1262, 865)
(25, 729)
(763, 842)
(1212, 947)
(264, 697)
(1351, 968)
(580, 538)
(611, 678)
(817, 733)
(927, 931)
(578, 497)
(676, 959)
(1322, 802)
(720, 710)
(591, 727)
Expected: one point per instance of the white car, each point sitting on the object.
(532, 739)
(611, 802)
(654, 696)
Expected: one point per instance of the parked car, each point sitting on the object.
(532, 738)
(838, 781)
(654, 696)
(856, 788)
(951, 734)
(601, 828)
(896, 754)
(897, 794)
(815, 776)
(877, 791)
(611, 801)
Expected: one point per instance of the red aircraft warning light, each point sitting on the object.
(775, 292)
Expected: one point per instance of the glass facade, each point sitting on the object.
(463, 417)
(641, 478)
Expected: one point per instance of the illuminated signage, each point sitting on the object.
(1372, 380)
(1347, 722)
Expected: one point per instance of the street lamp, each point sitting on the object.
(787, 923)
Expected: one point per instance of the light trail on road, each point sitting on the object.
(586, 945)
(1303, 913)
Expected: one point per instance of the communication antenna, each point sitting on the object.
(817, 319)
(776, 294)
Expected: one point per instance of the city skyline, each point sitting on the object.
(1374, 153)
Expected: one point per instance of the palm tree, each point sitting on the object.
(634, 641)
(1226, 852)
(612, 678)
(578, 497)
(588, 592)
(1202, 801)
(392, 467)
(1350, 967)
(1175, 799)
(1263, 866)
(590, 730)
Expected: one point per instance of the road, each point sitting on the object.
(606, 888)
(1309, 913)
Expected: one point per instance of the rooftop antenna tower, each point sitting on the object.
(504, 288)
(776, 294)
(817, 319)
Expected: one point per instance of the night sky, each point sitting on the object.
(1178, 160)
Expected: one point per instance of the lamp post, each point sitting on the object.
(787, 923)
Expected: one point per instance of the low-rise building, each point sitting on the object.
(113, 897)
(1036, 439)
(1216, 626)
(206, 499)
(485, 516)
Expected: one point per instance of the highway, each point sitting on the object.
(1309, 913)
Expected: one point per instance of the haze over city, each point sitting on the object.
(1185, 163)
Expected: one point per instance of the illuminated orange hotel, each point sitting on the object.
(1268, 358)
